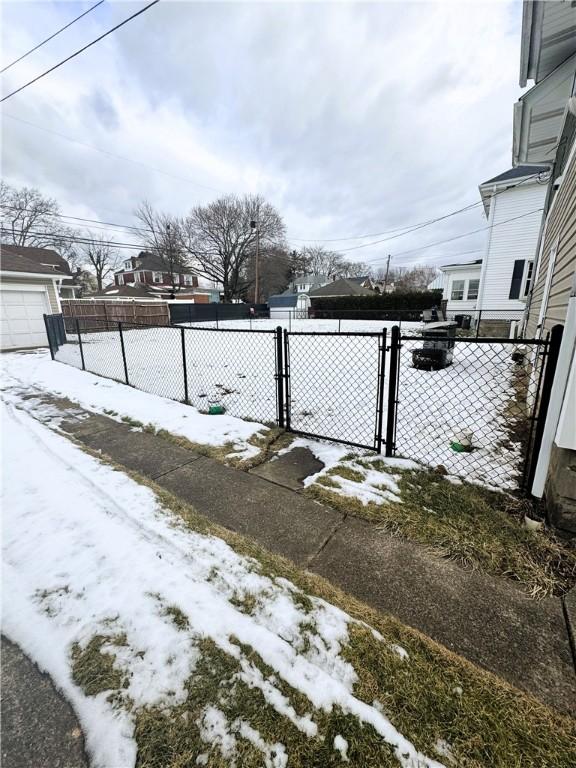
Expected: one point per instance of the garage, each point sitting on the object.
(28, 291)
(22, 314)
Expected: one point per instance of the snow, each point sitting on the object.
(87, 551)
(35, 372)
(334, 385)
(341, 745)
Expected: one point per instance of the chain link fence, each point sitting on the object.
(466, 406)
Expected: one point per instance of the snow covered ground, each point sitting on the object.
(333, 385)
(88, 552)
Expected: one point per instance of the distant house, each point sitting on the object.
(460, 284)
(146, 276)
(28, 291)
(344, 287)
(513, 203)
(68, 288)
(307, 283)
(285, 305)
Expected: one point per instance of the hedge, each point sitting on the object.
(406, 305)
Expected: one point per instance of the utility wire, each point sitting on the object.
(456, 237)
(50, 38)
(79, 51)
(110, 154)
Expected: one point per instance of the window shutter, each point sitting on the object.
(516, 283)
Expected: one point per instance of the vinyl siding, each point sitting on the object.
(508, 242)
(465, 273)
(560, 229)
(50, 286)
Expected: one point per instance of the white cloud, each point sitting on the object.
(351, 118)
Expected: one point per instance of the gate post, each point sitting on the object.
(123, 352)
(279, 376)
(287, 379)
(551, 360)
(49, 335)
(380, 398)
(184, 366)
(80, 343)
(392, 391)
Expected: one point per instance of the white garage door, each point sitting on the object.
(22, 318)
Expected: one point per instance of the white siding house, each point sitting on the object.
(514, 203)
(460, 285)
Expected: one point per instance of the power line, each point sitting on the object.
(540, 176)
(50, 38)
(456, 237)
(80, 50)
(110, 154)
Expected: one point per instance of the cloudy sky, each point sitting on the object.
(352, 118)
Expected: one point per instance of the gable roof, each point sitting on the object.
(150, 261)
(517, 173)
(10, 261)
(43, 259)
(311, 278)
(343, 287)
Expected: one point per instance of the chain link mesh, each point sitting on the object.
(334, 385)
(472, 417)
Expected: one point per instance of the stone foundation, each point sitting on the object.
(560, 490)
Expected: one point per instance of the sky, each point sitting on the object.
(354, 119)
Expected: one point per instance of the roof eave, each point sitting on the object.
(43, 275)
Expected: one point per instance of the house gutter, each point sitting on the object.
(44, 275)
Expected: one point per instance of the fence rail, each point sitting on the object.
(476, 412)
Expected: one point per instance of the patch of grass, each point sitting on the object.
(93, 667)
(177, 616)
(132, 422)
(432, 695)
(328, 482)
(245, 602)
(474, 526)
(347, 472)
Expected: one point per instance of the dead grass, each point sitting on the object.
(432, 695)
(467, 523)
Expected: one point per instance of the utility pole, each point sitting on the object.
(387, 270)
(254, 225)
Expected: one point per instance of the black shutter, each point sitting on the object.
(517, 274)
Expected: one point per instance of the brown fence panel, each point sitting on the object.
(100, 312)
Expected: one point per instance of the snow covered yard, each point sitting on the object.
(176, 650)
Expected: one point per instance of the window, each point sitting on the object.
(120, 279)
(188, 280)
(473, 286)
(529, 271)
(128, 264)
(517, 275)
(457, 290)
(137, 277)
(157, 277)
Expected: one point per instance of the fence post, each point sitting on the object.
(478, 323)
(80, 344)
(287, 379)
(216, 316)
(392, 391)
(184, 366)
(551, 360)
(49, 335)
(380, 399)
(279, 376)
(123, 352)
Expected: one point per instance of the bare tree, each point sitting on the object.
(220, 239)
(162, 234)
(320, 261)
(27, 217)
(102, 256)
(356, 269)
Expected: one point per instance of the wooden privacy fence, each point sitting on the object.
(142, 313)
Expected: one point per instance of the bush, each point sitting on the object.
(405, 305)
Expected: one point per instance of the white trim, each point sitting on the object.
(23, 287)
(36, 275)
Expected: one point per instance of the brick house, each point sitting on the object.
(149, 269)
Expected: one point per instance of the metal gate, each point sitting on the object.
(334, 386)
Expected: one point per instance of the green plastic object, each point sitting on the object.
(459, 448)
(216, 410)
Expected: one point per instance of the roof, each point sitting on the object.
(517, 173)
(548, 37)
(343, 287)
(283, 300)
(312, 278)
(475, 263)
(40, 257)
(151, 261)
(359, 280)
(13, 262)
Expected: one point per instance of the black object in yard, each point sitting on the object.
(438, 346)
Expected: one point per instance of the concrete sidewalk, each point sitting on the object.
(486, 619)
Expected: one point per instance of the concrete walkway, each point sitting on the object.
(39, 728)
(488, 620)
